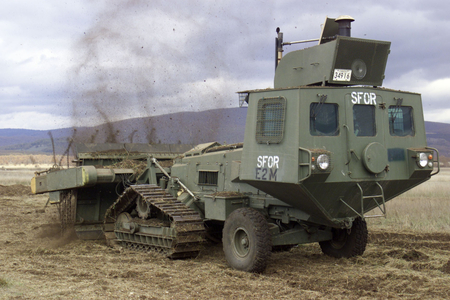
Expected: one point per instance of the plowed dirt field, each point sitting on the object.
(36, 263)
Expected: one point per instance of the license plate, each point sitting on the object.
(342, 75)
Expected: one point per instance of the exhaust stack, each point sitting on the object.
(345, 27)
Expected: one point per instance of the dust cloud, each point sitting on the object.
(141, 59)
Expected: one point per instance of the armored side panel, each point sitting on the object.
(343, 61)
(109, 153)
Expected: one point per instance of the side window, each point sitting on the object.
(364, 120)
(323, 119)
(401, 121)
(270, 120)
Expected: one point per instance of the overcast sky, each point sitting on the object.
(71, 63)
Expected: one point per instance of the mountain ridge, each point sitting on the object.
(224, 125)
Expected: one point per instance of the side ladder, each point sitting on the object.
(377, 198)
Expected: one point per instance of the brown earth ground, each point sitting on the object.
(38, 264)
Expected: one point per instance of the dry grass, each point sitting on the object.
(3, 282)
(37, 264)
(403, 263)
(17, 176)
(24, 159)
(425, 208)
(20, 168)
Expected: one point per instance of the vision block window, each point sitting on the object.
(208, 177)
(401, 120)
(270, 120)
(324, 119)
(364, 120)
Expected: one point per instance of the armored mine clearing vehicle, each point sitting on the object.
(323, 150)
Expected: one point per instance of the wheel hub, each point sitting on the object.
(244, 242)
(241, 242)
(339, 238)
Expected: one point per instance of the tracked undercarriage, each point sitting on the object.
(146, 217)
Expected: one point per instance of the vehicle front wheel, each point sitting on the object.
(347, 242)
(247, 242)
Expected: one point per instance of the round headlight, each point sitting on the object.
(323, 161)
(423, 160)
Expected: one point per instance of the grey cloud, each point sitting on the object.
(130, 56)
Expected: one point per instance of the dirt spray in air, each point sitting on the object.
(142, 60)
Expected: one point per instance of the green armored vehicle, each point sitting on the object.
(323, 150)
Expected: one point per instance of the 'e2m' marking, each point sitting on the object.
(267, 167)
(366, 98)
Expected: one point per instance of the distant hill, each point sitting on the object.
(221, 125)
(438, 136)
(20, 136)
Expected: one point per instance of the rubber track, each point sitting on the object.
(188, 224)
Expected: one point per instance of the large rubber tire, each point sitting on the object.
(347, 242)
(246, 239)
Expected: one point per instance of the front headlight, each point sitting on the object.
(323, 162)
(422, 160)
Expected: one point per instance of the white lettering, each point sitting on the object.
(354, 99)
(276, 159)
(272, 161)
(359, 97)
(365, 98)
(373, 98)
(259, 164)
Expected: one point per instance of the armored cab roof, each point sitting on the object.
(338, 59)
(343, 61)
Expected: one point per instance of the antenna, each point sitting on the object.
(278, 47)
